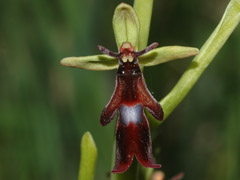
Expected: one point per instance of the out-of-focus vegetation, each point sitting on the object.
(45, 108)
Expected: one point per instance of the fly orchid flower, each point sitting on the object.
(129, 99)
(131, 95)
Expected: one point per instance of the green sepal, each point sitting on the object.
(94, 63)
(125, 25)
(165, 54)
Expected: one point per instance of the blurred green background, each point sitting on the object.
(45, 108)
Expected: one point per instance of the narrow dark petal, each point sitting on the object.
(144, 144)
(108, 52)
(147, 49)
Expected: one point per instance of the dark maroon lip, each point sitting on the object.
(129, 98)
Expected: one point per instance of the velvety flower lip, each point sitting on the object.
(129, 99)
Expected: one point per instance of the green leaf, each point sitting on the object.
(125, 25)
(165, 54)
(88, 158)
(95, 63)
(208, 51)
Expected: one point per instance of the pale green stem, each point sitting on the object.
(143, 10)
(208, 51)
